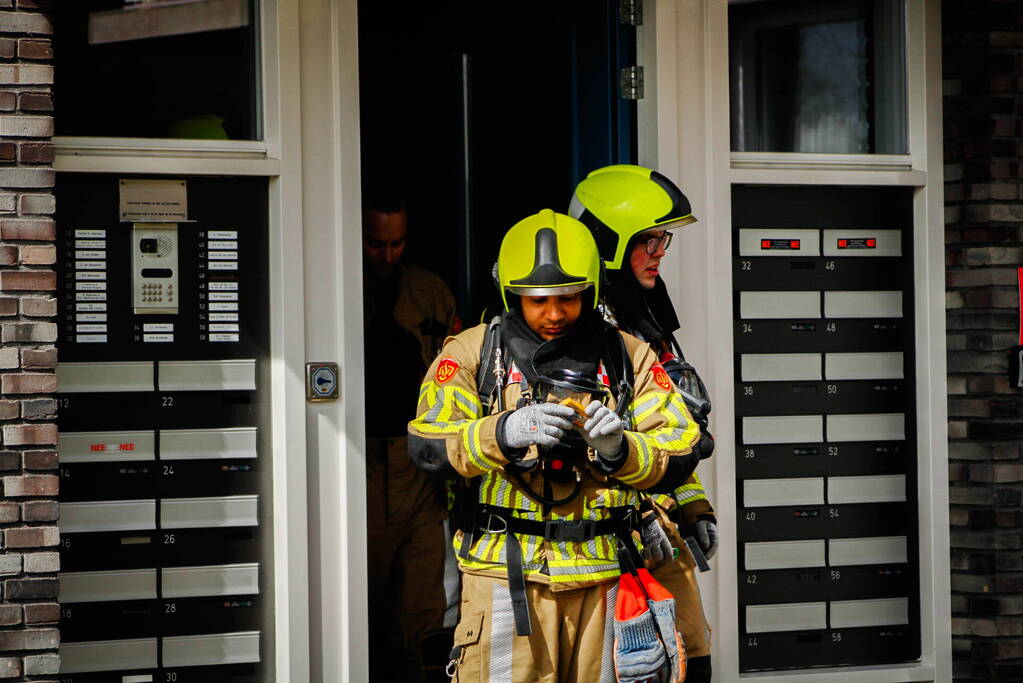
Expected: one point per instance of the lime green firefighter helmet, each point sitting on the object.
(548, 254)
(618, 202)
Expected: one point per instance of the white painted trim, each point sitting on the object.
(687, 137)
(333, 318)
(898, 673)
(821, 176)
(809, 162)
(72, 163)
(81, 146)
(281, 64)
(926, 146)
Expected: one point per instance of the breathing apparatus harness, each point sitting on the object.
(476, 517)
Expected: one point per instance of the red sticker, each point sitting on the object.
(446, 370)
(661, 377)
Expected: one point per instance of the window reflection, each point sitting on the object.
(826, 78)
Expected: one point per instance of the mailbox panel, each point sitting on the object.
(823, 324)
(165, 423)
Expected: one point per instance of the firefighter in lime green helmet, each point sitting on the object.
(550, 422)
(632, 212)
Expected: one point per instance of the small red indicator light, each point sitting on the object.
(872, 243)
(843, 244)
(765, 244)
(794, 244)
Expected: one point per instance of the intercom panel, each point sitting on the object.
(164, 419)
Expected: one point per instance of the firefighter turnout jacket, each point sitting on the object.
(451, 432)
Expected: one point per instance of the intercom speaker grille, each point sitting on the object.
(164, 246)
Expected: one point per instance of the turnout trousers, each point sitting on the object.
(405, 547)
(572, 640)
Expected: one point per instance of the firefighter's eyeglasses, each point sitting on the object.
(655, 242)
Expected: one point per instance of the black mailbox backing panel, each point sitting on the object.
(825, 424)
(165, 434)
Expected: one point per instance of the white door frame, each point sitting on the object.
(684, 132)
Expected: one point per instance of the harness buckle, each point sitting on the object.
(486, 526)
(581, 531)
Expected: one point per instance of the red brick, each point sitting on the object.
(31, 485)
(8, 152)
(8, 410)
(9, 513)
(8, 47)
(28, 229)
(40, 460)
(42, 613)
(30, 435)
(35, 48)
(8, 305)
(38, 254)
(39, 358)
(39, 307)
(28, 280)
(8, 255)
(10, 615)
(28, 383)
(36, 153)
(10, 461)
(30, 639)
(40, 511)
(39, 409)
(35, 101)
(28, 332)
(31, 537)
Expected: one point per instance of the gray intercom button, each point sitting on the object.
(781, 367)
(125, 584)
(108, 515)
(861, 613)
(195, 513)
(777, 242)
(860, 243)
(784, 554)
(783, 429)
(845, 552)
(863, 365)
(795, 616)
(105, 377)
(106, 446)
(782, 492)
(204, 444)
(194, 582)
(867, 427)
(880, 304)
(779, 305)
(208, 375)
(881, 488)
(210, 650)
(108, 655)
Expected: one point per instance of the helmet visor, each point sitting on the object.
(558, 290)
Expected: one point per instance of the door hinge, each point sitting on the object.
(630, 81)
(630, 12)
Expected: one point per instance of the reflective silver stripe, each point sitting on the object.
(502, 622)
(607, 665)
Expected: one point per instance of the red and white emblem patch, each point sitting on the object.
(602, 376)
(514, 374)
(446, 370)
(661, 377)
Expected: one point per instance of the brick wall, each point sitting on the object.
(28, 509)
(983, 118)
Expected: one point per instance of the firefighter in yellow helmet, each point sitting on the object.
(547, 492)
(631, 211)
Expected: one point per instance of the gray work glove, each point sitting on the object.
(540, 423)
(656, 546)
(604, 431)
(706, 533)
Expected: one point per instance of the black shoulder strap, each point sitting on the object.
(486, 378)
(619, 368)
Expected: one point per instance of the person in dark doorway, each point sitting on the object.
(549, 492)
(631, 210)
(408, 312)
